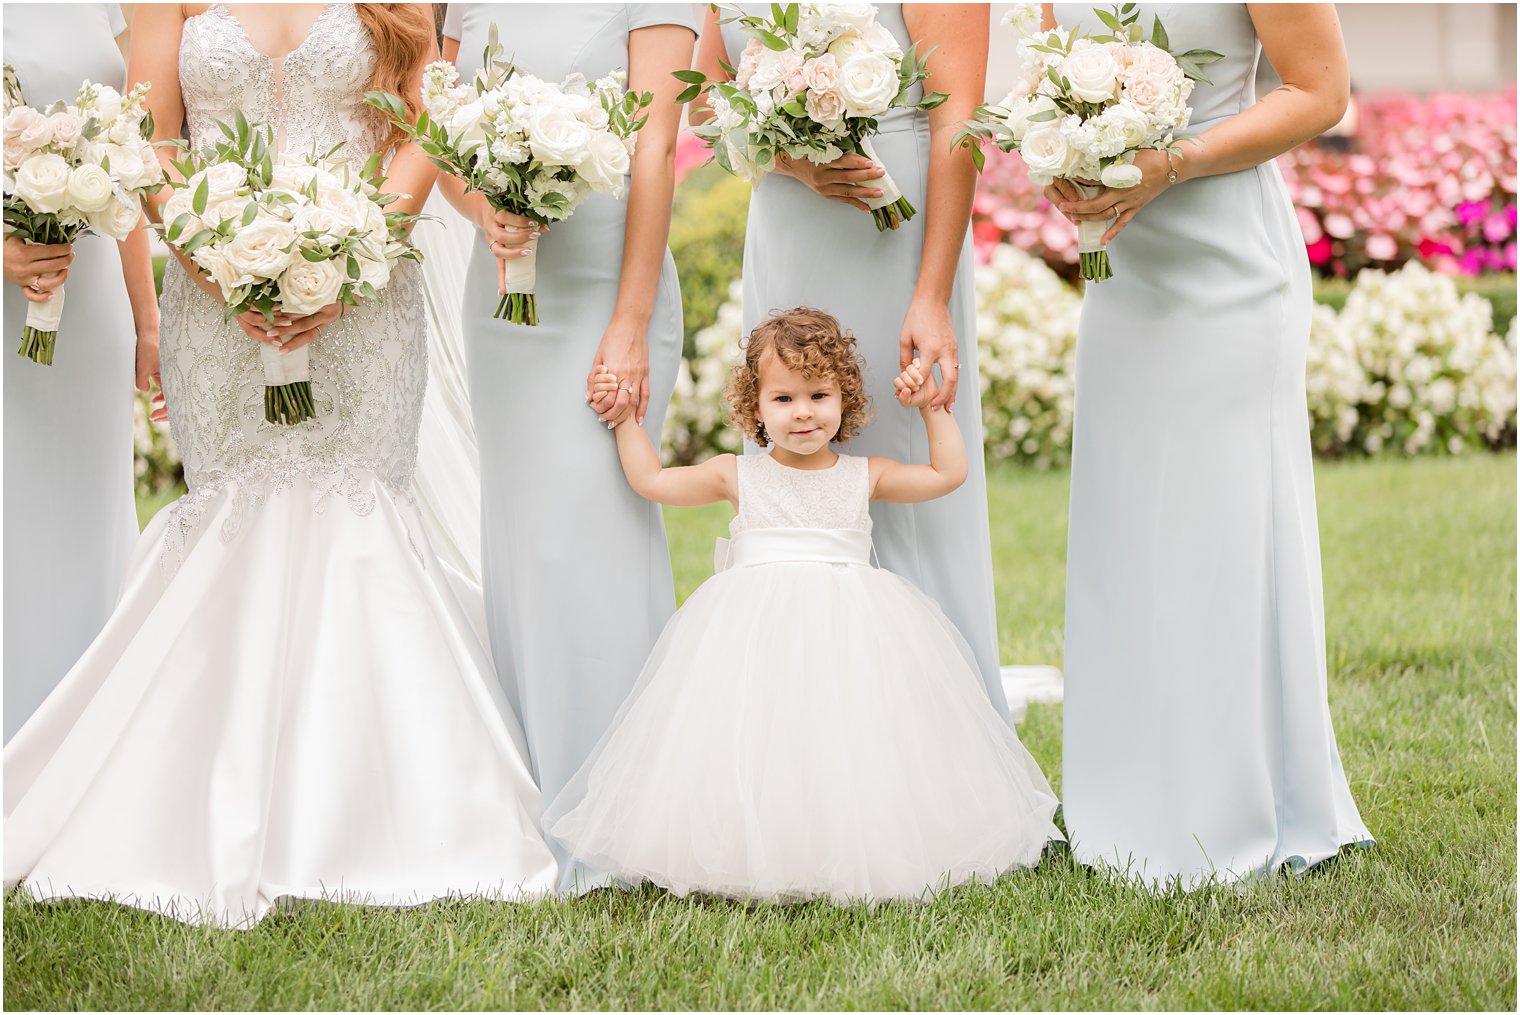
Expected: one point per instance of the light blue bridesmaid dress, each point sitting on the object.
(69, 520)
(801, 249)
(576, 570)
(1198, 739)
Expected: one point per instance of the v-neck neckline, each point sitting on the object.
(226, 12)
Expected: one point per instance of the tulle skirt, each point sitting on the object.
(807, 730)
(293, 703)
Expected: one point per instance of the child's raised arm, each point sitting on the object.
(688, 486)
(909, 484)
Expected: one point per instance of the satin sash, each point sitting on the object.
(772, 546)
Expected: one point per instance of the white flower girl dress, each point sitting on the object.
(807, 726)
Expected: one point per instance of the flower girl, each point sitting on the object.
(808, 725)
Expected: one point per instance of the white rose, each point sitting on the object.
(466, 127)
(260, 248)
(308, 286)
(557, 137)
(127, 166)
(19, 119)
(214, 262)
(881, 40)
(607, 164)
(37, 133)
(222, 180)
(375, 271)
(314, 218)
(1021, 110)
(1046, 153)
(858, 17)
(90, 188)
(179, 203)
(1093, 74)
(119, 218)
(868, 84)
(43, 182)
(1121, 176)
(66, 128)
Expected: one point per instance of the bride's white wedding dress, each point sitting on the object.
(290, 698)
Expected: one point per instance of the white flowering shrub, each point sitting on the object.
(1026, 329)
(696, 424)
(155, 463)
(1412, 366)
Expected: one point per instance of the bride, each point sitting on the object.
(290, 698)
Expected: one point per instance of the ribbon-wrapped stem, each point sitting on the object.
(891, 209)
(1092, 255)
(518, 304)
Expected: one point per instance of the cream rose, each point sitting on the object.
(179, 203)
(308, 286)
(313, 218)
(260, 248)
(868, 84)
(119, 218)
(90, 188)
(222, 180)
(21, 119)
(825, 108)
(858, 17)
(1046, 153)
(880, 39)
(1021, 110)
(374, 270)
(215, 264)
(607, 164)
(66, 128)
(1093, 74)
(43, 182)
(557, 137)
(38, 133)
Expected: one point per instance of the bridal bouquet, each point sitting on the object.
(285, 235)
(810, 84)
(78, 167)
(1086, 105)
(532, 147)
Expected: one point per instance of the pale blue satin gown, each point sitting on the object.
(69, 520)
(576, 570)
(1198, 739)
(801, 249)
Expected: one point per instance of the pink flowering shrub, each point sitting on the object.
(1426, 179)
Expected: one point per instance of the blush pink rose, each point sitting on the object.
(747, 60)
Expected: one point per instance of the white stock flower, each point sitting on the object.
(42, 181)
(1129, 125)
(308, 286)
(90, 188)
(259, 248)
(868, 84)
(1023, 19)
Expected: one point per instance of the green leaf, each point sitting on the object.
(688, 93)
(793, 16)
(250, 213)
(770, 41)
(353, 266)
(1158, 35)
(1108, 19)
(691, 77)
(198, 200)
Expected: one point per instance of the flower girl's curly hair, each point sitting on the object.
(811, 343)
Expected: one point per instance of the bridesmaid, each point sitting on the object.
(1198, 740)
(811, 242)
(576, 570)
(70, 520)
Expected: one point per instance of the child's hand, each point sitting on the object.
(915, 386)
(606, 393)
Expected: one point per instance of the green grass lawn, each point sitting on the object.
(1420, 586)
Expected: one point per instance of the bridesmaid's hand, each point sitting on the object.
(38, 268)
(1123, 204)
(927, 328)
(624, 354)
(148, 373)
(507, 235)
(290, 331)
(843, 180)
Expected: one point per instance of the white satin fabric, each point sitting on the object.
(807, 726)
(292, 697)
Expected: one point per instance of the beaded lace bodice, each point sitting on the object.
(775, 496)
(368, 369)
(313, 97)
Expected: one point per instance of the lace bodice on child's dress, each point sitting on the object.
(774, 496)
(368, 369)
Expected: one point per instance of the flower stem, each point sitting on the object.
(519, 308)
(289, 403)
(1095, 267)
(892, 215)
(37, 346)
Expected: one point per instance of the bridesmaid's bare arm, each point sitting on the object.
(654, 54)
(959, 68)
(410, 172)
(710, 50)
